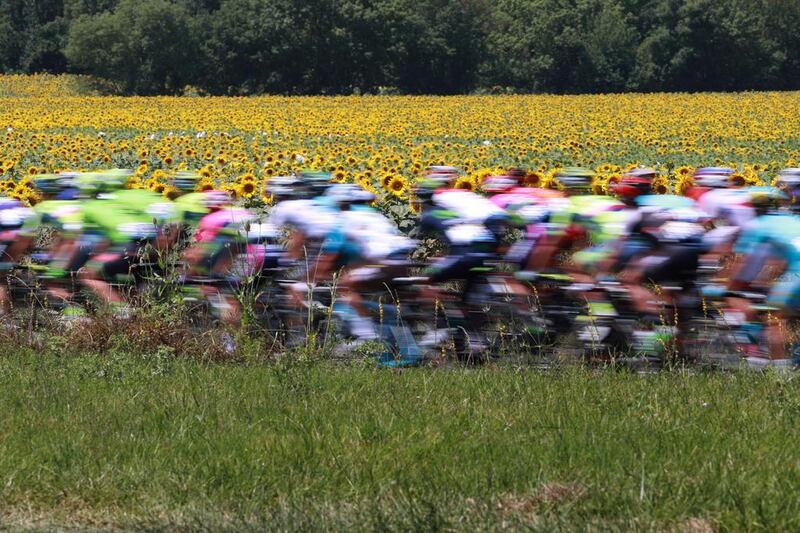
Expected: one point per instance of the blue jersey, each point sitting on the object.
(779, 231)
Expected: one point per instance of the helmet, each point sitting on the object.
(424, 190)
(68, 179)
(642, 173)
(185, 180)
(442, 169)
(713, 177)
(634, 183)
(498, 184)
(789, 177)
(630, 187)
(575, 179)
(284, 187)
(516, 174)
(47, 183)
(102, 180)
(348, 193)
(216, 200)
(112, 180)
(767, 197)
(445, 176)
(317, 181)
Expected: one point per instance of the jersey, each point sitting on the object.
(191, 208)
(730, 207)
(583, 215)
(230, 223)
(119, 222)
(160, 210)
(314, 219)
(780, 231)
(365, 234)
(66, 216)
(467, 206)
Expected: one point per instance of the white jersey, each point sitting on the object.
(465, 234)
(468, 206)
(730, 207)
(375, 234)
(314, 220)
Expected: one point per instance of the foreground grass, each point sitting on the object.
(160, 442)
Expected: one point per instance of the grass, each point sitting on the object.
(157, 441)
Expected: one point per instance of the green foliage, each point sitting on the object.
(149, 46)
(425, 46)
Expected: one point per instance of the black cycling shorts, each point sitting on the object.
(671, 263)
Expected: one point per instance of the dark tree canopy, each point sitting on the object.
(409, 46)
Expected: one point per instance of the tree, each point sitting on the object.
(149, 46)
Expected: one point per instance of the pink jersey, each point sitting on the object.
(524, 196)
(212, 224)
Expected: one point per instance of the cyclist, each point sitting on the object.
(369, 251)
(571, 221)
(62, 212)
(307, 216)
(772, 239)
(14, 242)
(120, 226)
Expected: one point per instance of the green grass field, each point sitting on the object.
(158, 441)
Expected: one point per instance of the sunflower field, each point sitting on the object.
(384, 143)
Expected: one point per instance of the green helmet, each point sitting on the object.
(317, 181)
(103, 180)
(185, 180)
(576, 179)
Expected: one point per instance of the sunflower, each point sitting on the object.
(414, 205)
(464, 183)
(363, 181)
(246, 189)
(532, 179)
(660, 186)
(168, 160)
(737, 179)
(683, 184)
(32, 198)
(205, 185)
(171, 193)
(397, 186)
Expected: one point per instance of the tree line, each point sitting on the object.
(407, 46)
